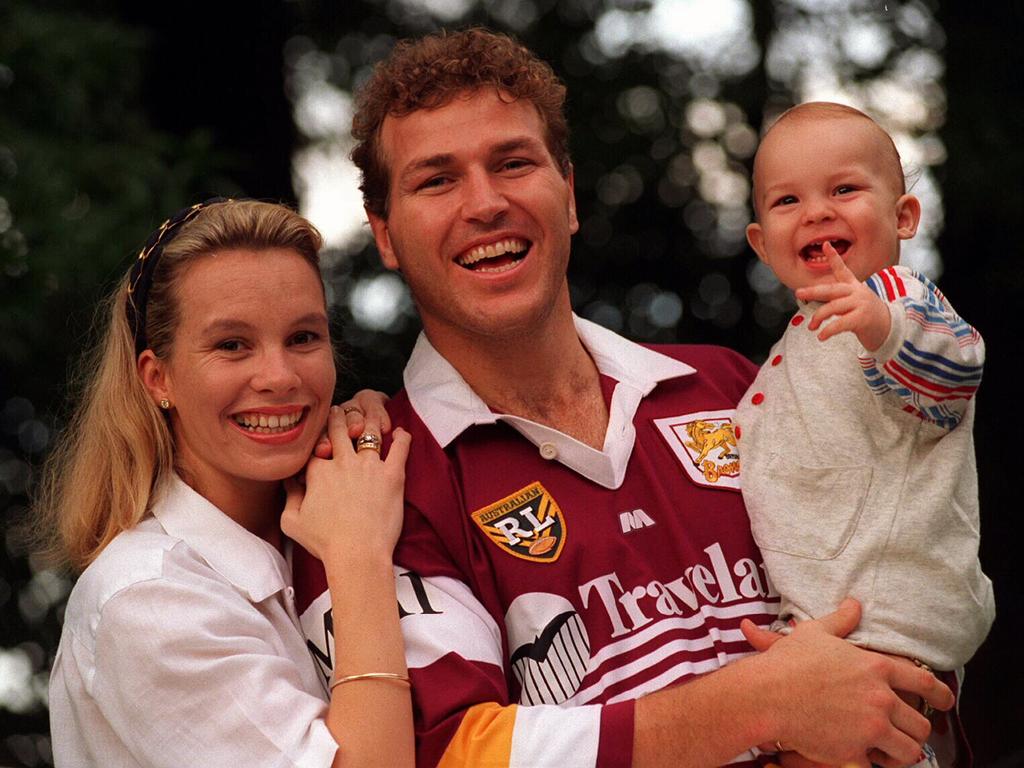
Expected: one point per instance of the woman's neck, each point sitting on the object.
(254, 505)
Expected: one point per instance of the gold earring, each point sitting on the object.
(165, 404)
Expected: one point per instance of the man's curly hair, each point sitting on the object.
(429, 72)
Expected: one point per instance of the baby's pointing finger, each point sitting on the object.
(835, 261)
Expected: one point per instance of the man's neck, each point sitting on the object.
(544, 375)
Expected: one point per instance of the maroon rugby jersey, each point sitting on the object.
(536, 603)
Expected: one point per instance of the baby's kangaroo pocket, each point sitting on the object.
(809, 512)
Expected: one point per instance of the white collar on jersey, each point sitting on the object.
(447, 405)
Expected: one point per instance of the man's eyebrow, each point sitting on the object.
(432, 162)
(523, 142)
(446, 159)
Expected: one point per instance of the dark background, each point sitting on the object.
(114, 116)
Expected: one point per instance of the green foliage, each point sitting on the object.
(81, 174)
(84, 177)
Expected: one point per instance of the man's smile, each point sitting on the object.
(494, 257)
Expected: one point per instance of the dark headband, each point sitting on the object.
(140, 278)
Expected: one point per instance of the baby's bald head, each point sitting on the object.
(823, 111)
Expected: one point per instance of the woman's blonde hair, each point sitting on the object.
(117, 448)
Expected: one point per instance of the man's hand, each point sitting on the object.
(837, 704)
(855, 306)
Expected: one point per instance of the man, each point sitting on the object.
(574, 544)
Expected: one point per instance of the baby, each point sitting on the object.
(855, 437)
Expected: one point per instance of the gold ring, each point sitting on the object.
(351, 409)
(926, 709)
(368, 442)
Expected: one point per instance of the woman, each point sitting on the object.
(173, 487)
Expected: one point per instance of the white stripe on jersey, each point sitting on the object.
(466, 629)
(673, 675)
(668, 677)
(546, 736)
(462, 625)
(692, 622)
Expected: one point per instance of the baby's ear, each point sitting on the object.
(908, 216)
(755, 236)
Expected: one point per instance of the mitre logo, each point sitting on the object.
(527, 524)
(705, 444)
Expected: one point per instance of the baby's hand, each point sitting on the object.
(855, 306)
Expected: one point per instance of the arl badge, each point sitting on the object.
(527, 524)
(705, 444)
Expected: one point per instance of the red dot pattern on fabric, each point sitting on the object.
(797, 319)
(758, 398)
(777, 359)
(738, 432)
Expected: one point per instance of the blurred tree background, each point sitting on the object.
(114, 114)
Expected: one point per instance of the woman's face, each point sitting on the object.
(250, 373)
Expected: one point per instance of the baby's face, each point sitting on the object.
(828, 179)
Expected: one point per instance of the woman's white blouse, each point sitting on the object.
(181, 647)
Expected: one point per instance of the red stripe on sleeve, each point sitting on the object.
(887, 282)
(926, 387)
(901, 288)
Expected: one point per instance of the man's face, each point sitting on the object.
(819, 180)
(479, 217)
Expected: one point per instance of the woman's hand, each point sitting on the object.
(365, 412)
(351, 506)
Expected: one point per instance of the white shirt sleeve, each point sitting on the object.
(185, 670)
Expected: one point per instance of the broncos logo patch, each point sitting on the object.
(705, 444)
(527, 524)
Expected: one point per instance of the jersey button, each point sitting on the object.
(758, 398)
(797, 319)
(777, 359)
(548, 451)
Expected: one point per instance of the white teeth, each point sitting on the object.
(814, 251)
(504, 268)
(264, 424)
(492, 250)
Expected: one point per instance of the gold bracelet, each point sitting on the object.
(393, 676)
